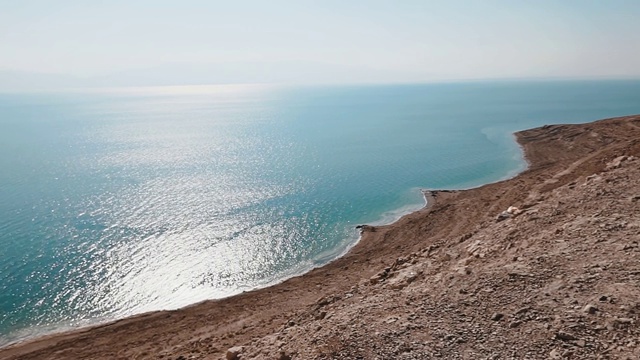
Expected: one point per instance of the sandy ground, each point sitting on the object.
(556, 277)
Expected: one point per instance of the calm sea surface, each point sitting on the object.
(117, 202)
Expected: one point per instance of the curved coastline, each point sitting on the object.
(377, 247)
(53, 330)
(429, 196)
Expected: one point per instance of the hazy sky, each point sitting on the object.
(311, 41)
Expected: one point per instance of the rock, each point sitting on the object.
(590, 309)
(565, 336)
(402, 279)
(503, 216)
(515, 324)
(523, 310)
(511, 211)
(615, 163)
(603, 298)
(555, 354)
(497, 317)
(323, 301)
(364, 228)
(514, 210)
(624, 321)
(321, 315)
(380, 276)
(234, 353)
(283, 356)
(398, 263)
(593, 178)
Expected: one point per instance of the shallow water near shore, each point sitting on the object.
(120, 201)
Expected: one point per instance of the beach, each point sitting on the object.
(448, 281)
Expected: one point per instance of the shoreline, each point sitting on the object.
(66, 328)
(259, 312)
(429, 198)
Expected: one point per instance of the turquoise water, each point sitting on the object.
(120, 201)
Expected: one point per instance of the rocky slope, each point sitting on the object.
(541, 266)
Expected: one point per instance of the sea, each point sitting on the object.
(119, 201)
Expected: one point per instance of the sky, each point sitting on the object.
(161, 42)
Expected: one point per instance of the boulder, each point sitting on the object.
(234, 353)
